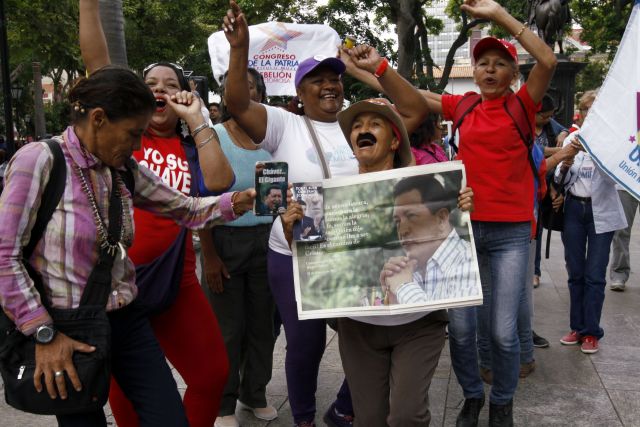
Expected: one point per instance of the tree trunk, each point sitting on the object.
(112, 19)
(38, 106)
(405, 13)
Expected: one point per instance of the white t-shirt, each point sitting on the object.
(288, 140)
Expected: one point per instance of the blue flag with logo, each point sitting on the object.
(611, 130)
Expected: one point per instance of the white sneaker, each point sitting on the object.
(227, 421)
(267, 413)
(617, 286)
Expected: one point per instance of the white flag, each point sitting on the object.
(275, 49)
(611, 131)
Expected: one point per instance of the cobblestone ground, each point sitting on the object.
(567, 388)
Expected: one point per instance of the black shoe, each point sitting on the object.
(468, 416)
(501, 415)
(538, 341)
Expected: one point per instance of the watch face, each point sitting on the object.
(45, 334)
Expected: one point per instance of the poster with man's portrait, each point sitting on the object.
(396, 242)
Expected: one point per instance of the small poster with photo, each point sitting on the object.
(271, 188)
(312, 226)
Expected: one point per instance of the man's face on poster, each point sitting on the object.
(273, 199)
(420, 231)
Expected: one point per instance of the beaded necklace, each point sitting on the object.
(103, 237)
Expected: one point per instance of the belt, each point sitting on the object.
(580, 199)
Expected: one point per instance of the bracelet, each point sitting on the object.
(381, 68)
(199, 129)
(205, 142)
(234, 196)
(519, 33)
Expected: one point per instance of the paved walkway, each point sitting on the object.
(567, 388)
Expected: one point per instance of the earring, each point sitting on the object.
(300, 104)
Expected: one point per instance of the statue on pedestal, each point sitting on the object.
(550, 17)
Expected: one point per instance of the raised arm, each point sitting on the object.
(251, 115)
(434, 100)
(410, 104)
(546, 61)
(93, 44)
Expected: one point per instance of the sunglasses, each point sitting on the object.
(155, 64)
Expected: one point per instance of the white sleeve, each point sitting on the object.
(411, 293)
(277, 121)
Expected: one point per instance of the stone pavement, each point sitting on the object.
(567, 388)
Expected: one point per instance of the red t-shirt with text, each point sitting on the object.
(496, 159)
(154, 234)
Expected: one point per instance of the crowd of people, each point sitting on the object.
(193, 171)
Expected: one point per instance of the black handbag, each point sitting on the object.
(551, 219)
(88, 323)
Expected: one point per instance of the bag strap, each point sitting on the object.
(553, 217)
(50, 197)
(326, 173)
(469, 101)
(127, 175)
(99, 283)
(524, 128)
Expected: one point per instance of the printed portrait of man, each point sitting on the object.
(273, 199)
(438, 264)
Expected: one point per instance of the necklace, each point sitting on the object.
(103, 236)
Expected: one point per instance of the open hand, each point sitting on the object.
(57, 357)
(481, 9)
(235, 27)
(214, 271)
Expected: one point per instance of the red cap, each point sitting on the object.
(488, 43)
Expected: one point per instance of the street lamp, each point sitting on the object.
(16, 93)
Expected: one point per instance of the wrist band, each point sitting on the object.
(519, 33)
(205, 142)
(381, 68)
(199, 129)
(233, 203)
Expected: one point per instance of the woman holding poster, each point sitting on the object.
(290, 138)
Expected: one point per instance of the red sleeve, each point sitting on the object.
(449, 103)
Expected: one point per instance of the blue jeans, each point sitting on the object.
(503, 251)
(587, 255)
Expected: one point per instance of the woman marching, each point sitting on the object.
(187, 330)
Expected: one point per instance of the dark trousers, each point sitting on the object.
(139, 366)
(586, 254)
(389, 369)
(306, 340)
(245, 312)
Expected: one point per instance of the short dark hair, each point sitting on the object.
(273, 187)
(548, 104)
(214, 104)
(261, 88)
(425, 131)
(118, 91)
(433, 193)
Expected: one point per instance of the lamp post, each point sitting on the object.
(16, 93)
(6, 84)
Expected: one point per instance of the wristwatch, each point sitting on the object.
(44, 334)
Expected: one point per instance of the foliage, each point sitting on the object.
(603, 22)
(592, 75)
(57, 115)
